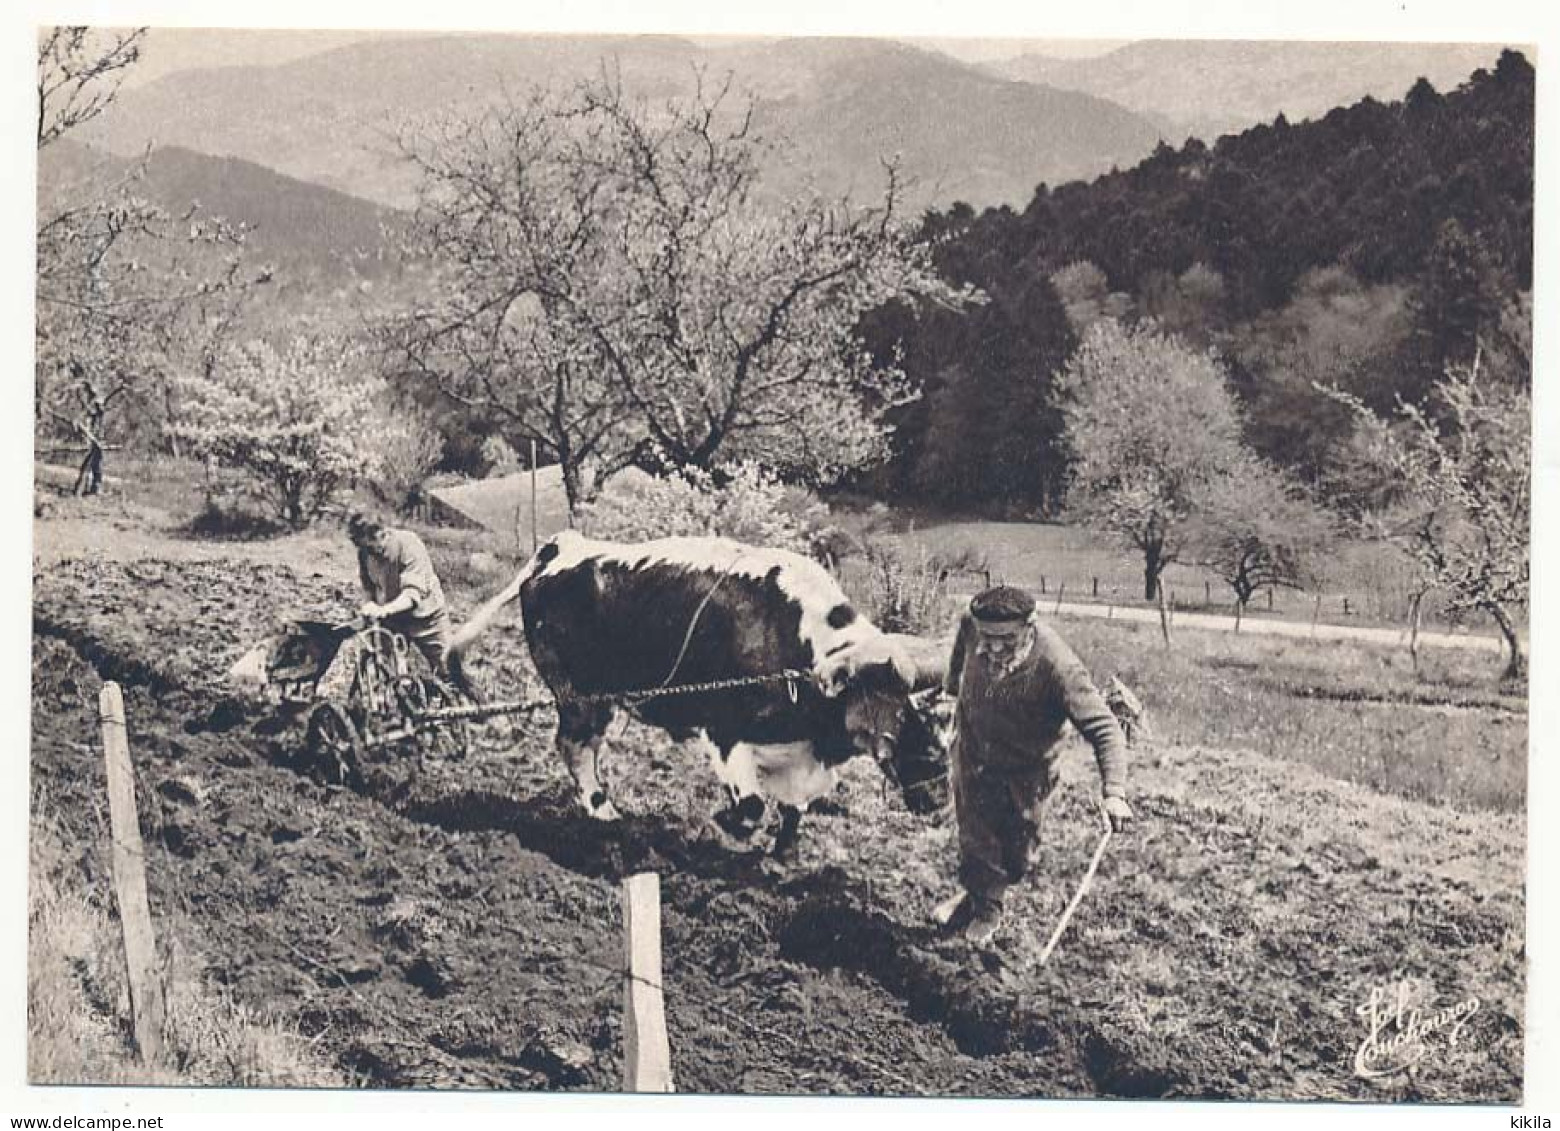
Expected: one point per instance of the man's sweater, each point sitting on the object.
(1015, 720)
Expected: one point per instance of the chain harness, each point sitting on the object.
(791, 677)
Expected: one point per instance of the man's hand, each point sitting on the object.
(368, 610)
(1119, 813)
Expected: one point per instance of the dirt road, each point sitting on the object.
(1263, 626)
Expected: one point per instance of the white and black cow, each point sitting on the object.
(603, 618)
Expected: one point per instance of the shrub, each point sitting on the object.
(404, 450)
(498, 457)
(748, 504)
(296, 423)
(901, 591)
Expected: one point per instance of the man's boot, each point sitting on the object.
(985, 921)
(952, 913)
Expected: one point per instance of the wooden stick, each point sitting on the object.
(647, 1058)
(1083, 887)
(1164, 616)
(147, 1008)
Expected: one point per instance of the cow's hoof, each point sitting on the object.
(734, 825)
(601, 809)
(743, 818)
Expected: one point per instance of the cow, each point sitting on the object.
(604, 618)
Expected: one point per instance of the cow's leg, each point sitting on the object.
(735, 769)
(784, 850)
(580, 731)
(793, 776)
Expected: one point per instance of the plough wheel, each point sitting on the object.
(374, 690)
(335, 746)
(441, 739)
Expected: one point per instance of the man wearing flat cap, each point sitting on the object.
(1017, 684)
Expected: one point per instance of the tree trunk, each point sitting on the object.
(89, 480)
(1153, 566)
(1516, 664)
(175, 449)
(572, 486)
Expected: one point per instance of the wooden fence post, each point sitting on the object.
(1060, 589)
(1164, 616)
(1316, 614)
(147, 1008)
(1413, 631)
(647, 1058)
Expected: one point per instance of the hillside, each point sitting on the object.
(965, 135)
(331, 117)
(301, 227)
(1366, 247)
(1211, 87)
(451, 923)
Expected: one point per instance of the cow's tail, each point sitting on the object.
(482, 620)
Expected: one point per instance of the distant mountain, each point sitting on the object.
(1211, 87)
(303, 227)
(964, 134)
(330, 117)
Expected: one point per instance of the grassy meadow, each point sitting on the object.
(1444, 734)
(1364, 584)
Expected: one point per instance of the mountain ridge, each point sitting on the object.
(1206, 88)
(329, 117)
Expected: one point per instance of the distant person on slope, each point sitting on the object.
(403, 590)
(1017, 684)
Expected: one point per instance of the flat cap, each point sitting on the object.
(1002, 603)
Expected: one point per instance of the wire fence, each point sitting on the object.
(1385, 606)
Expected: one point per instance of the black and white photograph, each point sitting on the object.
(737, 563)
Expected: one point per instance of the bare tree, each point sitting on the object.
(623, 251)
(1464, 472)
(79, 73)
(1257, 531)
(1153, 428)
(125, 289)
(514, 367)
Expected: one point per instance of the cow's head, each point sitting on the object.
(874, 680)
(299, 653)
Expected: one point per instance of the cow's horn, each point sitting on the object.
(920, 660)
